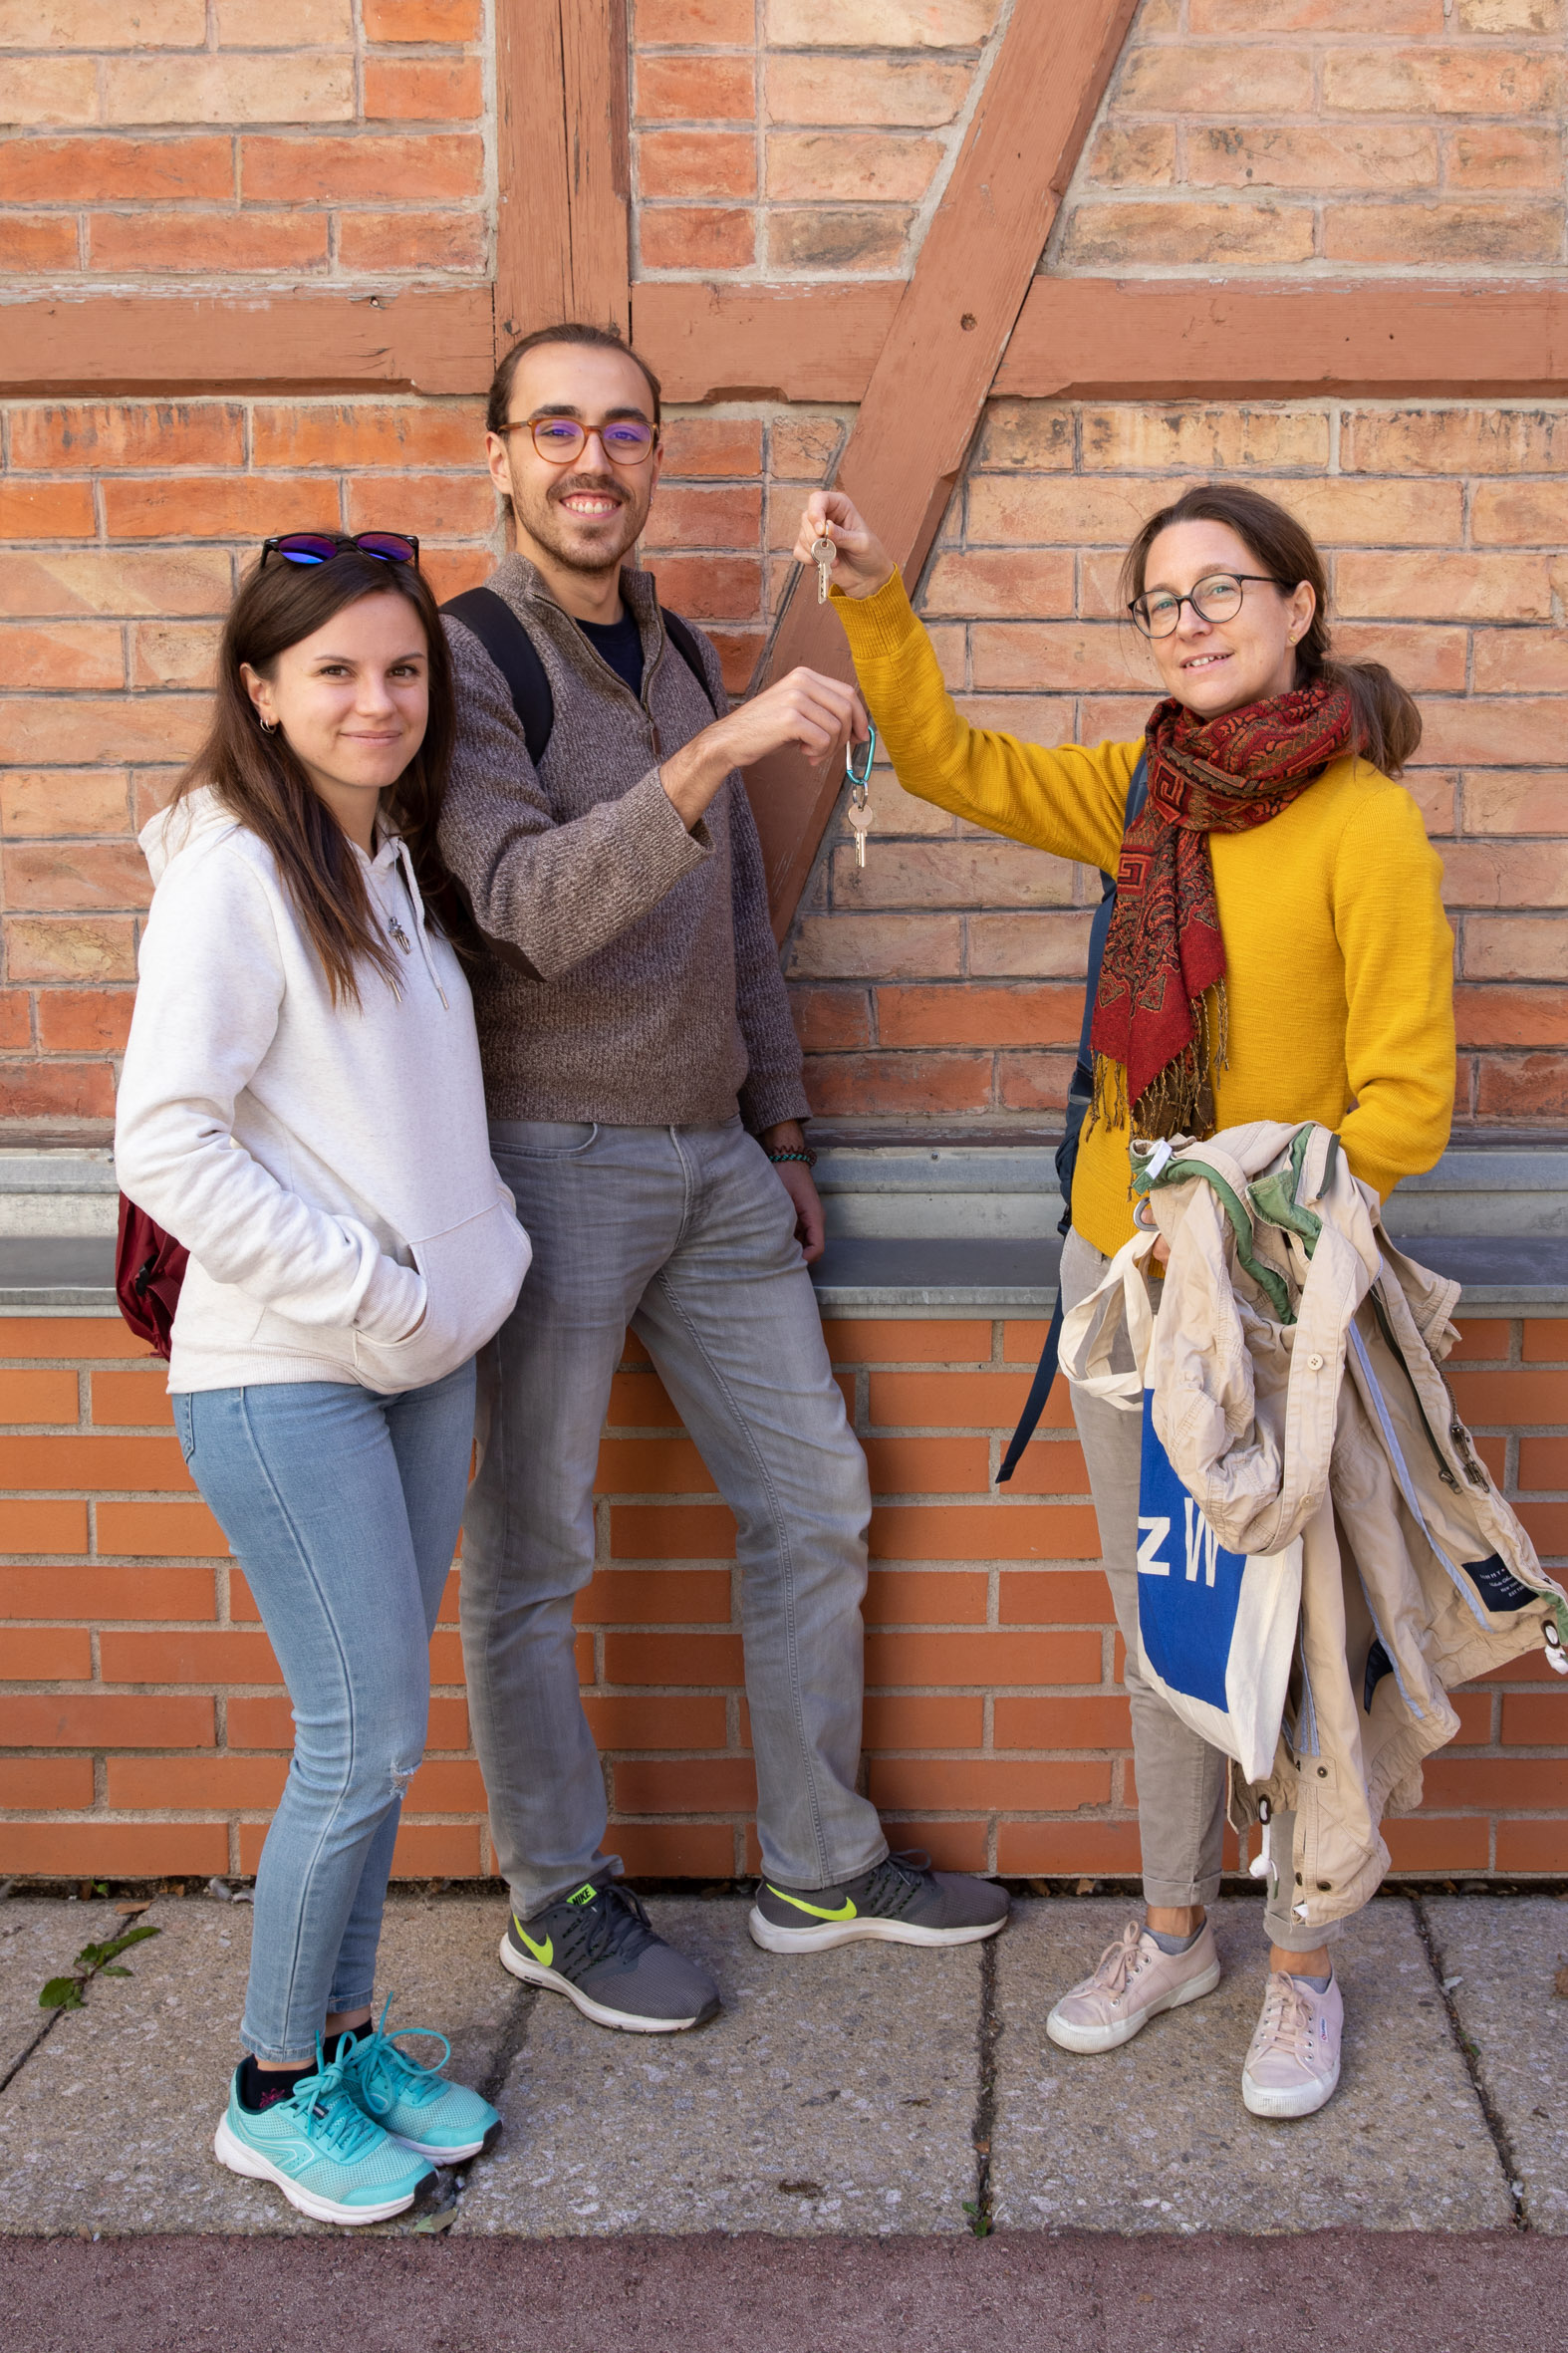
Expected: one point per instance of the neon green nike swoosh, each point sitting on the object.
(846, 1910)
(544, 1953)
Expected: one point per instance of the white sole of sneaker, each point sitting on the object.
(1312, 2096)
(856, 1932)
(1088, 2040)
(250, 2162)
(533, 1974)
(443, 2156)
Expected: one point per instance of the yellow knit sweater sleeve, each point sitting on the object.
(1399, 985)
(1070, 801)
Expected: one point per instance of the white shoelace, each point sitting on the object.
(1287, 2023)
(1116, 1964)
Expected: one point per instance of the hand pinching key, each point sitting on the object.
(860, 809)
(824, 555)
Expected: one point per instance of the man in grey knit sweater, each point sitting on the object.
(644, 1085)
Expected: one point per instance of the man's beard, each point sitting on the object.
(609, 552)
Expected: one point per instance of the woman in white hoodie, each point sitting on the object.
(302, 1107)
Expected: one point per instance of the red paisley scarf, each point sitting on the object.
(1154, 1035)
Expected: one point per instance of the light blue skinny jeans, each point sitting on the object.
(686, 1236)
(342, 1506)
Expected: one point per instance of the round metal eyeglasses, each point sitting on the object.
(559, 440)
(1218, 598)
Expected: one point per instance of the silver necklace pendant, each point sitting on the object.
(399, 935)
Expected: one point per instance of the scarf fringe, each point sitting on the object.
(1178, 1100)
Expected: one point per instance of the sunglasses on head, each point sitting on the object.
(319, 547)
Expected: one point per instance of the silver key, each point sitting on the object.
(823, 555)
(859, 818)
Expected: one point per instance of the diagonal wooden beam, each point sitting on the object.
(564, 157)
(935, 369)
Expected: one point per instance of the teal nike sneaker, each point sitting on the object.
(444, 2122)
(329, 2158)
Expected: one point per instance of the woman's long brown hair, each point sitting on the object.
(258, 779)
(1388, 724)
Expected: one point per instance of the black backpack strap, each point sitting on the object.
(512, 649)
(684, 638)
(1080, 1090)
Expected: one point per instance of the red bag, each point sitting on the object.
(150, 1267)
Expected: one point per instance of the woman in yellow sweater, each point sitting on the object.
(1279, 950)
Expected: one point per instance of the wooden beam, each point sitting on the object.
(177, 344)
(1175, 340)
(563, 228)
(931, 376)
(764, 342)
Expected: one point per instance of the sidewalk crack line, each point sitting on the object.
(1470, 2053)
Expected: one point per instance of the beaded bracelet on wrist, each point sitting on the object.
(803, 1154)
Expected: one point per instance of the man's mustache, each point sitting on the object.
(600, 485)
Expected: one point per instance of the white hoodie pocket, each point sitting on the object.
(472, 1274)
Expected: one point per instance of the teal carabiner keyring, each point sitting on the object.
(859, 811)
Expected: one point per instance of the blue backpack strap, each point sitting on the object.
(1080, 1090)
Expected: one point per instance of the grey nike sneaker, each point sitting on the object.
(900, 1901)
(597, 1947)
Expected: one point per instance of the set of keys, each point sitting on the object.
(824, 555)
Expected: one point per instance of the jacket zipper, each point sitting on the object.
(1383, 1326)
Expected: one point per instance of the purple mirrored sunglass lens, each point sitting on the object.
(390, 546)
(303, 547)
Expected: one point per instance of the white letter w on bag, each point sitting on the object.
(1202, 1545)
(1150, 1548)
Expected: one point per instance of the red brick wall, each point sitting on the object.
(145, 1731)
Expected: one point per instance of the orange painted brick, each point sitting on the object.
(38, 1395)
(357, 435)
(447, 1658)
(695, 89)
(84, 1020)
(696, 164)
(1050, 1466)
(370, 169)
(1437, 1843)
(925, 1597)
(46, 1654)
(194, 1784)
(432, 1850)
(651, 1467)
(948, 1400)
(115, 1850)
(1543, 1464)
(45, 510)
(1475, 1713)
(1107, 1849)
(16, 1029)
(831, 1020)
(1547, 1525)
(422, 90)
(656, 1597)
(27, 1527)
(402, 243)
(1123, 234)
(38, 243)
(431, 21)
(52, 1091)
(208, 244)
(428, 503)
(928, 1466)
(92, 1461)
(884, 1083)
(1434, 80)
(62, 654)
(1055, 1597)
(705, 515)
(1532, 1846)
(1001, 1532)
(138, 1398)
(96, 1593)
(675, 1850)
(449, 1785)
(1498, 1783)
(99, 580)
(717, 23)
(622, 1722)
(1062, 1723)
(904, 1721)
(951, 1845)
(1504, 155)
(889, 1341)
(711, 587)
(708, 445)
(73, 876)
(231, 506)
(217, 1655)
(988, 1661)
(175, 1531)
(698, 1785)
(1509, 1398)
(1545, 1340)
(1479, 1340)
(1475, 233)
(709, 1660)
(117, 170)
(960, 1784)
(260, 1723)
(696, 237)
(671, 1531)
(104, 1719)
(46, 1785)
(1020, 1014)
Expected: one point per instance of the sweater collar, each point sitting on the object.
(522, 584)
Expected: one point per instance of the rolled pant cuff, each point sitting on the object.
(812, 1883)
(1177, 1895)
(1291, 1936)
(273, 2058)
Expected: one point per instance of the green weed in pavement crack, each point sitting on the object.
(93, 1960)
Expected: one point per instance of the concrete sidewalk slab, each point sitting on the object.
(1505, 1951)
(108, 2126)
(39, 1940)
(1154, 2137)
(832, 2094)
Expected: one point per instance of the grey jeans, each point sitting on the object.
(686, 1236)
(1180, 1780)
